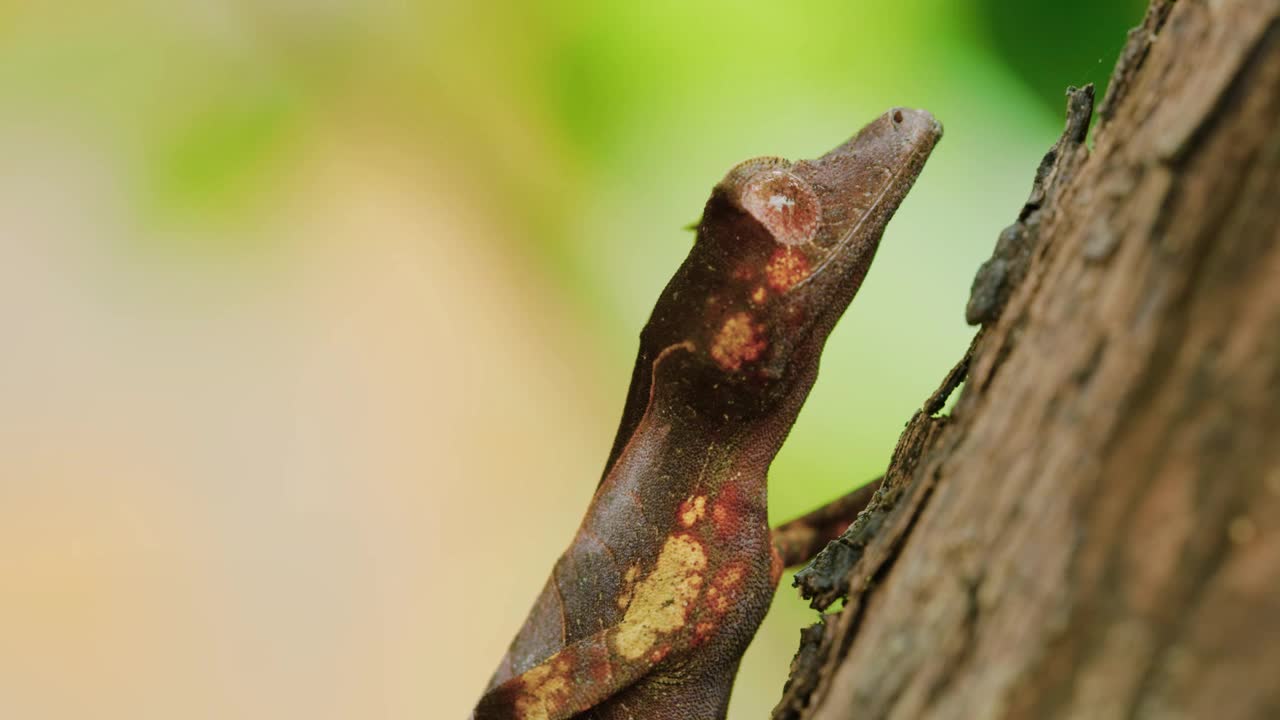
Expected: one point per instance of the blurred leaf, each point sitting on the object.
(220, 157)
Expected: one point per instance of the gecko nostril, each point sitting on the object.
(897, 117)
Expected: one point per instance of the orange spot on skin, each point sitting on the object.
(692, 510)
(717, 601)
(787, 267)
(657, 655)
(730, 577)
(601, 671)
(702, 630)
(724, 588)
(719, 514)
(776, 565)
(758, 296)
(740, 340)
(724, 518)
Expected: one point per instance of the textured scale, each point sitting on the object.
(648, 611)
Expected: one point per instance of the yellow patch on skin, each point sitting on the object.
(740, 340)
(692, 510)
(662, 599)
(786, 268)
(624, 597)
(758, 296)
(545, 690)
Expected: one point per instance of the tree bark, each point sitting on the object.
(1094, 531)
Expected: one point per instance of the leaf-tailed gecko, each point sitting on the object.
(648, 612)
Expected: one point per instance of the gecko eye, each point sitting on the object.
(786, 205)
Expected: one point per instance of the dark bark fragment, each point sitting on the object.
(998, 277)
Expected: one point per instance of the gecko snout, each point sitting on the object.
(917, 122)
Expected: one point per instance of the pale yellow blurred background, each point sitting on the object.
(317, 316)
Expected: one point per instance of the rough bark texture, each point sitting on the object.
(1094, 532)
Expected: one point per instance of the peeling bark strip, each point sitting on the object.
(997, 277)
(1095, 531)
(648, 611)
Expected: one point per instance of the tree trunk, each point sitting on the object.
(1094, 531)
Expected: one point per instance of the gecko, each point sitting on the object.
(647, 613)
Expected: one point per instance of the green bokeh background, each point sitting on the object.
(164, 153)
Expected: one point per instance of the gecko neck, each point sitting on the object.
(675, 454)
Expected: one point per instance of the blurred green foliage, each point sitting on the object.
(218, 154)
(1050, 43)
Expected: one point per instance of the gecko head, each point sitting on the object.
(782, 248)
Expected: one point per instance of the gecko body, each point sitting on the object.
(648, 612)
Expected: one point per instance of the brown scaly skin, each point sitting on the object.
(648, 612)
